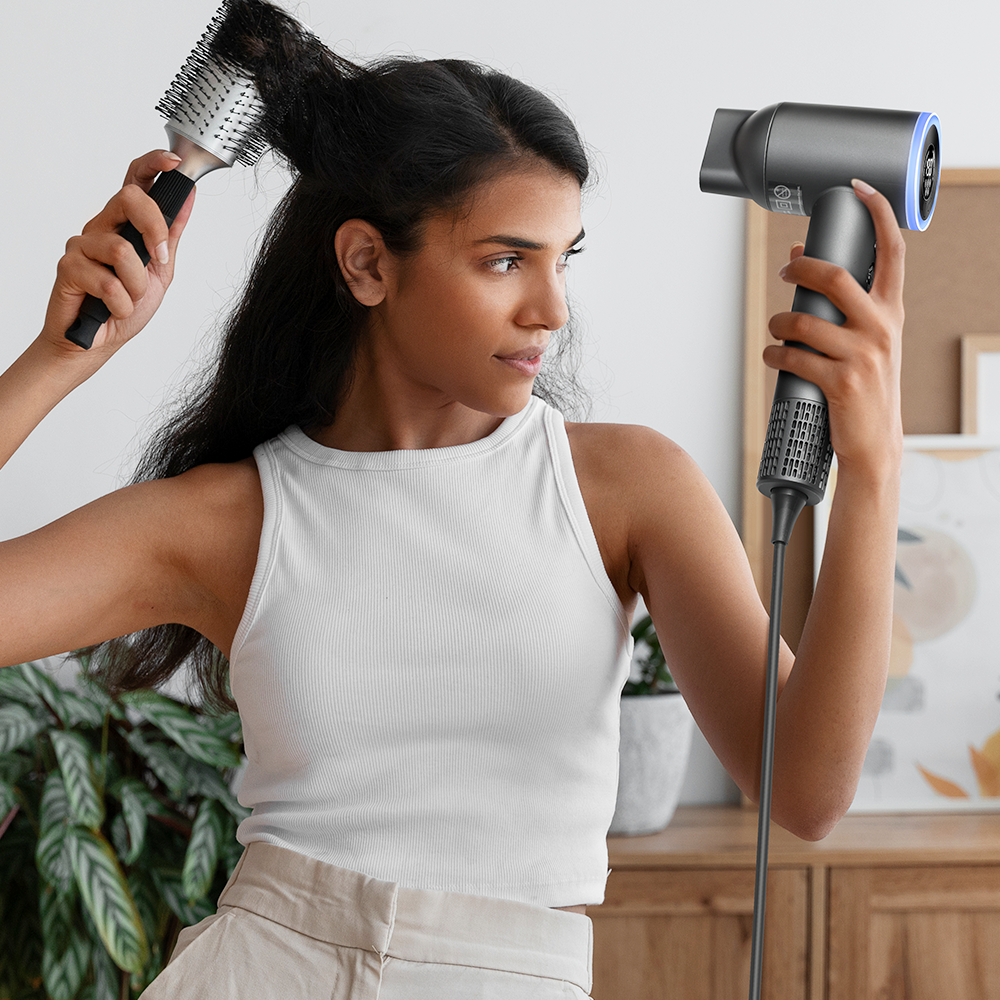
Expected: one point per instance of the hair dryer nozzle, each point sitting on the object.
(719, 171)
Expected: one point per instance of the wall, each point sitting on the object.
(660, 285)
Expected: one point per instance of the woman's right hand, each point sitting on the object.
(131, 292)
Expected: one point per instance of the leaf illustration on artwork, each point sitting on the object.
(986, 774)
(942, 785)
(902, 535)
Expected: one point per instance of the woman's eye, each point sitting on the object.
(503, 265)
(572, 252)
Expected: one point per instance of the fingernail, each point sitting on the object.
(162, 253)
(171, 156)
(783, 271)
(861, 187)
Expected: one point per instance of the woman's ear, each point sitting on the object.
(364, 260)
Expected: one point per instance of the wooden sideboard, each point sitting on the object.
(901, 907)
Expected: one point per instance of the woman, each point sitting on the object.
(416, 577)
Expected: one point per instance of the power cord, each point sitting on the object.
(786, 505)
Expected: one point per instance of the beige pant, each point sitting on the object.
(289, 927)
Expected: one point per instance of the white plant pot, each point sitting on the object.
(655, 742)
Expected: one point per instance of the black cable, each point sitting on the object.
(786, 505)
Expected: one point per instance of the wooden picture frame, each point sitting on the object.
(974, 345)
(952, 287)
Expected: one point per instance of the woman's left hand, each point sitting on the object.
(860, 373)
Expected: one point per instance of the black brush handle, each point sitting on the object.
(169, 191)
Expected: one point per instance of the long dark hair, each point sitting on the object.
(390, 142)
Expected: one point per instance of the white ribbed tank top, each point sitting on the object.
(429, 665)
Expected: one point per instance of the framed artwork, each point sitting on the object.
(981, 384)
(936, 744)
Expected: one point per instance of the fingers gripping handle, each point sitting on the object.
(169, 191)
(797, 452)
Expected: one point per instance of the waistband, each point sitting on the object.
(349, 909)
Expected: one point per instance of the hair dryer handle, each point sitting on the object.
(169, 191)
(797, 452)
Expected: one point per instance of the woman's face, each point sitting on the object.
(467, 318)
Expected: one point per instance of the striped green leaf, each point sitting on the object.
(171, 890)
(135, 797)
(58, 912)
(107, 975)
(107, 898)
(204, 780)
(183, 727)
(18, 725)
(203, 851)
(47, 690)
(15, 687)
(52, 852)
(8, 798)
(66, 956)
(165, 765)
(91, 690)
(78, 767)
(79, 709)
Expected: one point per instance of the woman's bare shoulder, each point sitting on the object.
(623, 449)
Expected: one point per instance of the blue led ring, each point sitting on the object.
(915, 169)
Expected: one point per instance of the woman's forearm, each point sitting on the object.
(41, 377)
(829, 705)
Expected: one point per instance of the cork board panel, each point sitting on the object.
(952, 288)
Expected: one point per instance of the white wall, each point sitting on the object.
(661, 283)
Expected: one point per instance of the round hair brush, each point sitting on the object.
(214, 118)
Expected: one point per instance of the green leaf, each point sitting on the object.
(15, 687)
(92, 690)
(66, 956)
(80, 709)
(107, 975)
(107, 899)
(136, 799)
(8, 798)
(228, 727)
(18, 725)
(46, 688)
(204, 849)
(78, 767)
(184, 727)
(164, 764)
(58, 912)
(52, 853)
(14, 765)
(172, 890)
(207, 781)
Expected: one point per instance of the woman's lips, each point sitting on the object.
(527, 366)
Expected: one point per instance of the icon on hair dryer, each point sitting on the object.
(799, 159)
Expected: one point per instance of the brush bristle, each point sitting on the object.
(214, 105)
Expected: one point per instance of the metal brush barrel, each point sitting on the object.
(797, 452)
(213, 118)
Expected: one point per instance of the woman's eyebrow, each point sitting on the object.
(520, 243)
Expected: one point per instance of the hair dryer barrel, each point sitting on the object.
(786, 155)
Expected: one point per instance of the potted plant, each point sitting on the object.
(656, 727)
(117, 828)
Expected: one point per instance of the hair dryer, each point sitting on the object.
(799, 159)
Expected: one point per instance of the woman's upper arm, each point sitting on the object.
(690, 567)
(141, 556)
